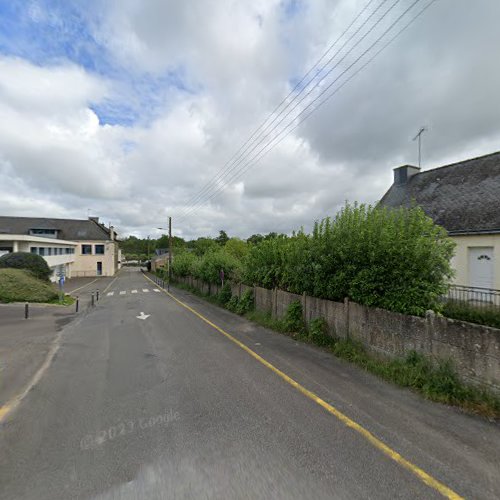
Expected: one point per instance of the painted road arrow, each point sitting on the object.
(143, 316)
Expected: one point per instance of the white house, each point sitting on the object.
(464, 198)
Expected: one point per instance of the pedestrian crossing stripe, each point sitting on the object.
(134, 291)
(123, 292)
(156, 290)
(145, 290)
(109, 294)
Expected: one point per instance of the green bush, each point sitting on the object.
(224, 296)
(31, 262)
(232, 304)
(19, 285)
(211, 264)
(294, 321)
(318, 333)
(183, 264)
(396, 259)
(466, 312)
(245, 304)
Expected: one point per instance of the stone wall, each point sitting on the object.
(473, 349)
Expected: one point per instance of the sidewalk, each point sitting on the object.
(24, 344)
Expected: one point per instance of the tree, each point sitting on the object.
(36, 264)
(255, 238)
(222, 239)
(237, 248)
(203, 245)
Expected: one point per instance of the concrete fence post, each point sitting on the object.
(275, 303)
(304, 303)
(346, 316)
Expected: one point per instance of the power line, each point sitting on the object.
(406, 26)
(250, 139)
(266, 147)
(369, 31)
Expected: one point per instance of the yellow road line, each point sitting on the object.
(392, 454)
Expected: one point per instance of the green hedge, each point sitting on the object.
(396, 259)
(29, 261)
(17, 285)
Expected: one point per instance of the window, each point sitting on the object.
(41, 251)
(46, 233)
(33, 250)
(86, 249)
(49, 251)
(99, 249)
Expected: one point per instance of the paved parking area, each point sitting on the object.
(24, 343)
(76, 286)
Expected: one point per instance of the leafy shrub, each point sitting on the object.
(293, 320)
(467, 312)
(245, 304)
(318, 332)
(397, 259)
(31, 262)
(225, 294)
(183, 264)
(232, 304)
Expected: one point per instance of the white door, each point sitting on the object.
(481, 267)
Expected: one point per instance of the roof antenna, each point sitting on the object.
(419, 137)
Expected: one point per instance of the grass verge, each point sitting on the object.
(435, 382)
(17, 285)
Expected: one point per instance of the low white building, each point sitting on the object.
(71, 247)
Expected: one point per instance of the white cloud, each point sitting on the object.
(57, 159)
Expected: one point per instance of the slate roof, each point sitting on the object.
(463, 197)
(69, 229)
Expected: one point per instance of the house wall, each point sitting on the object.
(460, 261)
(86, 265)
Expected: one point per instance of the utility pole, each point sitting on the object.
(169, 250)
(419, 137)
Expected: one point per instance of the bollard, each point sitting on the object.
(77, 304)
(92, 299)
(26, 311)
(97, 295)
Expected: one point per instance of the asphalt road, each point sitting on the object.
(170, 407)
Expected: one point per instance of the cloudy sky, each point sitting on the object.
(131, 108)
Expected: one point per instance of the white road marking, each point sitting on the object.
(143, 316)
(134, 291)
(109, 294)
(156, 290)
(145, 290)
(123, 292)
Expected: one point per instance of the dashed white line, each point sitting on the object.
(109, 294)
(145, 290)
(156, 290)
(123, 292)
(134, 291)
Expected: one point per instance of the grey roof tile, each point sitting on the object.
(69, 229)
(463, 197)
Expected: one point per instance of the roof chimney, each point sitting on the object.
(111, 232)
(402, 174)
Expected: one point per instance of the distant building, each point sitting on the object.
(464, 198)
(160, 259)
(72, 248)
